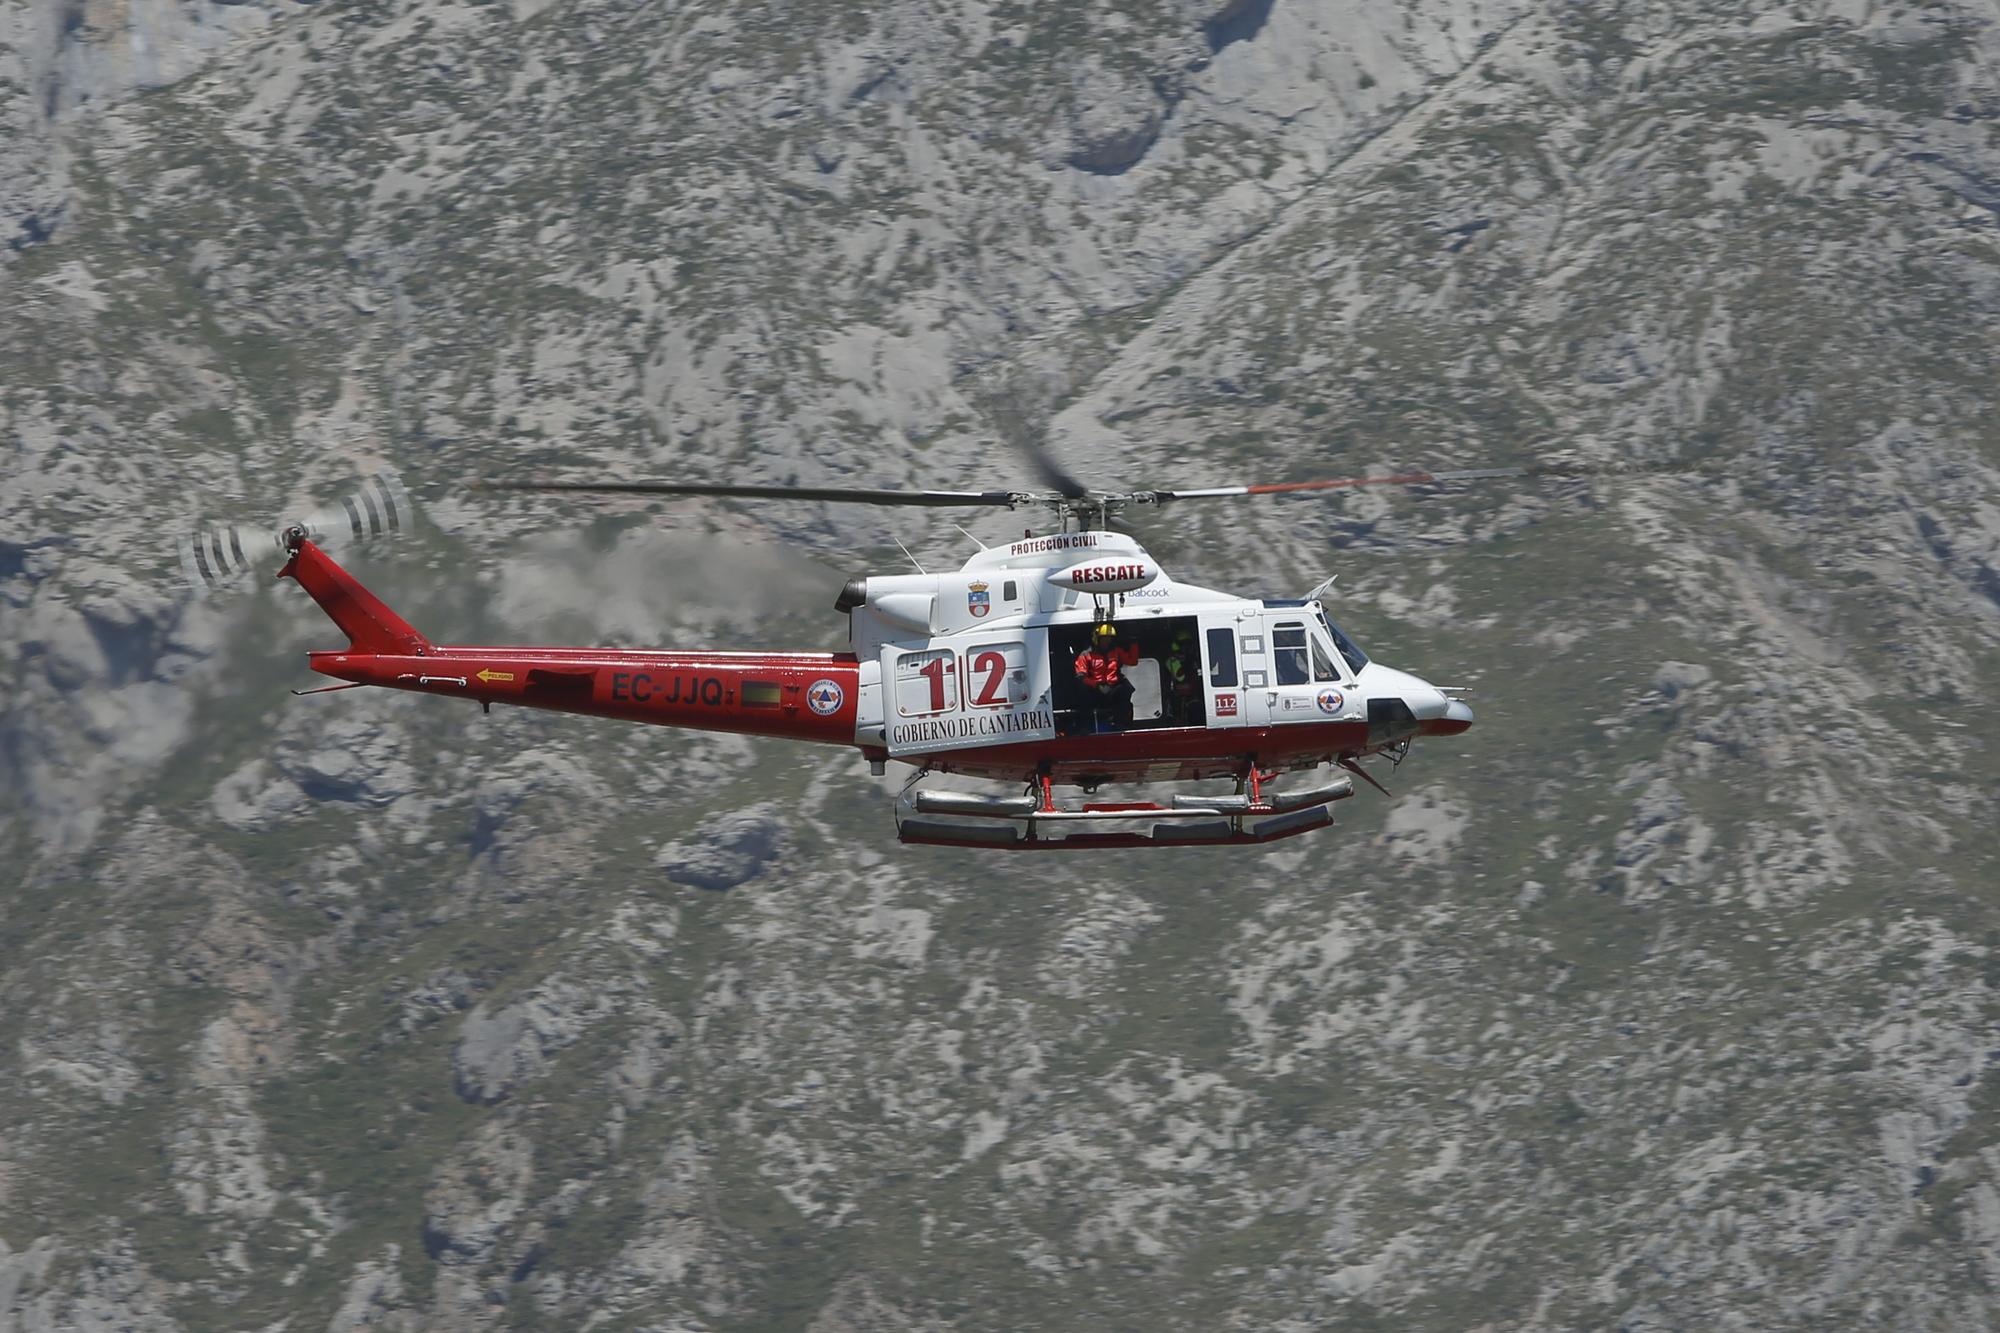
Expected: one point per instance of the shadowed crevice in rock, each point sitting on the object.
(485, 835)
(1114, 155)
(34, 230)
(337, 793)
(1982, 577)
(1238, 21)
(131, 645)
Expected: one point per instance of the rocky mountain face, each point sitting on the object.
(1663, 999)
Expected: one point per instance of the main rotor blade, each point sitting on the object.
(1052, 473)
(831, 494)
(1339, 483)
(1023, 422)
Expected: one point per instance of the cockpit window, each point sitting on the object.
(1349, 652)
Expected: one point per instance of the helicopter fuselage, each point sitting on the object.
(972, 672)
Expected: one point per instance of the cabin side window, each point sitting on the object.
(1322, 661)
(1221, 657)
(1288, 651)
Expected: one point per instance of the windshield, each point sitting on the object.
(1349, 650)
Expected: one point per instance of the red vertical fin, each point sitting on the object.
(371, 627)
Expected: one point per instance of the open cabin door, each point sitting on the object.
(966, 690)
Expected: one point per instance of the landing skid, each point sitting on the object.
(1028, 824)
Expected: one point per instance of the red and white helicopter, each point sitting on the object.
(969, 672)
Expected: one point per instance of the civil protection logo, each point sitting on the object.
(977, 600)
(825, 697)
(1330, 701)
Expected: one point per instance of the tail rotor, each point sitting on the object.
(213, 558)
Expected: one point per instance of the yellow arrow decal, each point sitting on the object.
(489, 675)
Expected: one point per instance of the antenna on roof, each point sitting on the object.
(906, 552)
(969, 537)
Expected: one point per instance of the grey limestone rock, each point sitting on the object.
(500, 1048)
(107, 1291)
(1115, 119)
(730, 851)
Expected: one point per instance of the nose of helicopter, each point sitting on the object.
(1437, 713)
(1434, 712)
(1455, 718)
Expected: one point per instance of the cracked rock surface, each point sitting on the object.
(1665, 998)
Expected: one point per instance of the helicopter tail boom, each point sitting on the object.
(799, 696)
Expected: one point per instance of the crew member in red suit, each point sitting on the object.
(1100, 669)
